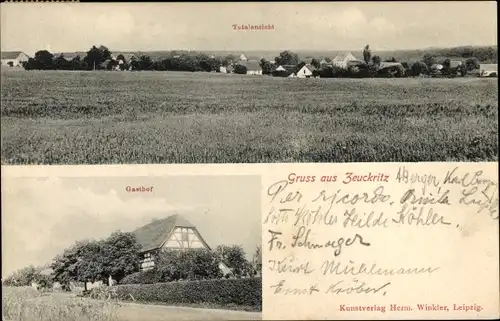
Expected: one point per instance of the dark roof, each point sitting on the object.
(289, 68)
(310, 67)
(10, 54)
(152, 235)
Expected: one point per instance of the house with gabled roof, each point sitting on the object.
(285, 71)
(13, 58)
(127, 56)
(488, 70)
(306, 71)
(343, 59)
(243, 57)
(174, 233)
(253, 67)
(69, 56)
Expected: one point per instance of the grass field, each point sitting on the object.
(170, 117)
(26, 304)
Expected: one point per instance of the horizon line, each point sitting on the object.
(271, 50)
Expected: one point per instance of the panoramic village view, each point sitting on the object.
(175, 251)
(100, 104)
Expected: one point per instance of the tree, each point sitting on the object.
(471, 64)
(287, 58)
(80, 263)
(240, 69)
(91, 261)
(367, 54)
(419, 68)
(44, 60)
(22, 277)
(316, 63)
(376, 60)
(120, 57)
(267, 66)
(96, 56)
(234, 257)
(119, 256)
(392, 59)
(429, 59)
(145, 62)
(229, 60)
(65, 266)
(76, 63)
(446, 67)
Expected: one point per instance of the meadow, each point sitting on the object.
(26, 304)
(65, 117)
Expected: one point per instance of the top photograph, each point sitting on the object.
(184, 83)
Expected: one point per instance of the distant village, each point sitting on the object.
(288, 64)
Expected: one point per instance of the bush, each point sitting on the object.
(240, 69)
(143, 277)
(244, 292)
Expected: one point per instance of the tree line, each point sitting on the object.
(100, 58)
(370, 66)
(119, 256)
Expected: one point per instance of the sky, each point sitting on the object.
(43, 216)
(67, 27)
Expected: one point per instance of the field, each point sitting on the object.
(58, 117)
(26, 304)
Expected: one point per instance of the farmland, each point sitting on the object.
(65, 117)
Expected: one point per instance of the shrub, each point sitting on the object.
(244, 292)
(193, 264)
(143, 277)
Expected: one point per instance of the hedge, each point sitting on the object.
(142, 277)
(244, 292)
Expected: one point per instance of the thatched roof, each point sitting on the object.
(152, 235)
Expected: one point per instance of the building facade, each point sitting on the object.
(174, 233)
(13, 58)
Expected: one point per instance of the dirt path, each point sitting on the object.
(139, 312)
(128, 311)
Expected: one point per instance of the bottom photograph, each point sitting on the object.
(132, 248)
